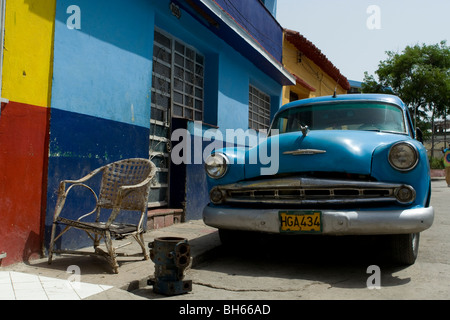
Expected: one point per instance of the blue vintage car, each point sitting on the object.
(346, 165)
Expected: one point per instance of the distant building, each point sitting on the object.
(439, 139)
(355, 86)
(315, 74)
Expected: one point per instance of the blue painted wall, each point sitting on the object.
(228, 75)
(101, 93)
(227, 72)
(100, 96)
(104, 69)
(79, 144)
(259, 22)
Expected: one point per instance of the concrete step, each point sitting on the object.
(161, 218)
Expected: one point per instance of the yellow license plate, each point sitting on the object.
(300, 221)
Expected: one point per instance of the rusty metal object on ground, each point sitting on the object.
(171, 256)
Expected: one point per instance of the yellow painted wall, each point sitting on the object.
(28, 50)
(309, 72)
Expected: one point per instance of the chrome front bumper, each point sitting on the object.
(334, 222)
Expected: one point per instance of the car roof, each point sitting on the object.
(346, 97)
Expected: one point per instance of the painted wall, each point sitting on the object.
(227, 71)
(259, 22)
(27, 60)
(100, 98)
(97, 81)
(228, 75)
(308, 71)
(26, 83)
(236, 74)
(227, 78)
(101, 93)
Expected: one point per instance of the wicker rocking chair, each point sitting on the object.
(125, 185)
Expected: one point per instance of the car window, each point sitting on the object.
(345, 116)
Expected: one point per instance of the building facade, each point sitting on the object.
(86, 83)
(24, 126)
(315, 74)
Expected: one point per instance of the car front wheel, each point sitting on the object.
(405, 248)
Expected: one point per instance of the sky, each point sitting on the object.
(355, 34)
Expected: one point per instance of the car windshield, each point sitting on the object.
(342, 116)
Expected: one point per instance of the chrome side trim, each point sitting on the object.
(304, 151)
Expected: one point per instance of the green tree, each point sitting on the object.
(420, 76)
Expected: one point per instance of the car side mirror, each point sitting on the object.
(419, 135)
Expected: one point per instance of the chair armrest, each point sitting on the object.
(125, 189)
(62, 195)
(85, 178)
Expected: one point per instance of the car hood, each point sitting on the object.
(341, 151)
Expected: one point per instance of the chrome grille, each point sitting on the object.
(307, 191)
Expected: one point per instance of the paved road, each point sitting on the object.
(331, 268)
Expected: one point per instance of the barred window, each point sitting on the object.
(187, 83)
(178, 73)
(258, 109)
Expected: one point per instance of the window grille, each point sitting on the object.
(259, 109)
(178, 79)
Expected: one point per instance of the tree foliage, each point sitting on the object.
(420, 76)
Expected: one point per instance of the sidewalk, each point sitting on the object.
(39, 280)
(437, 174)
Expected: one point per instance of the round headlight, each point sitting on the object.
(216, 165)
(403, 156)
